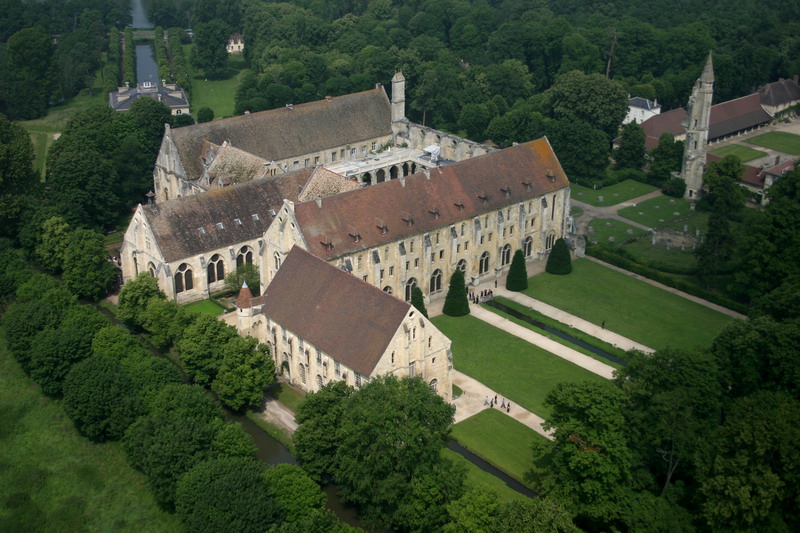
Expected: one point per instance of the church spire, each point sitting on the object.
(708, 71)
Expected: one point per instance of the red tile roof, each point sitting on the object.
(442, 197)
(345, 317)
(669, 122)
(736, 115)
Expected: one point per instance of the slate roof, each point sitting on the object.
(779, 92)
(284, 133)
(172, 98)
(456, 192)
(643, 103)
(176, 223)
(342, 315)
(736, 115)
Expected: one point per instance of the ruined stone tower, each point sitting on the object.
(696, 124)
(398, 97)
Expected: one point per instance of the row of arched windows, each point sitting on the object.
(215, 270)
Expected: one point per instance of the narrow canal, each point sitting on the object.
(146, 67)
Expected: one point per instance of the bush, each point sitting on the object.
(247, 272)
(418, 301)
(205, 114)
(559, 261)
(674, 187)
(517, 279)
(456, 302)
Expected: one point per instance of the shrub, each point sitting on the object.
(674, 187)
(205, 114)
(517, 279)
(456, 302)
(559, 261)
(418, 301)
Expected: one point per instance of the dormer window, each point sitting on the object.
(506, 190)
(483, 197)
(435, 212)
(254, 216)
(220, 226)
(409, 220)
(528, 186)
(459, 204)
(237, 221)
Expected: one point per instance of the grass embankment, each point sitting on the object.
(216, 94)
(287, 395)
(632, 308)
(780, 141)
(611, 195)
(507, 364)
(555, 324)
(744, 153)
(478, 479)
(53, 479)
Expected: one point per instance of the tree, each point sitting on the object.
(476, 510)
(666, 158)
(716, 248)
(517, 279)
(29, 54)
(630, 153)
(201, 347)
(231, 440)
(209, 53)
(165, 321)
(226, 494)
(53, 241)
(16, 173)
(87, 269)
(205, 114)
(294, 492)
(725, 195)
(391, 431)
(582, 150)
(591, 98)
(246, 272)
(559, 261)
(117, 343)
(187, 402)
(100, 399)
(674, 187)
(150, 375)
(246, 370)
(456, 302)
(134, 298)
(533, 515)
(418, 301)
(782, 303)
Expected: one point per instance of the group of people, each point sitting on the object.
(493, 403)
(481, 297)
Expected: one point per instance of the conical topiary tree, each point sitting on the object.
(456, 303)
(418, 301)
(559, 261)
(517, 279)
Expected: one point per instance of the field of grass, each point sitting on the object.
(58, 116)
(287, 395)
(744, 153)
(630, 307)
(611, 195)
(781, 141)
(500, 440)
(477, 478)
(41, 143)
(608, 230)
(658, 212)
(658, 254)
(52, 479)
(208, 307)
(514, 368)
(560, 327)
(216, 94)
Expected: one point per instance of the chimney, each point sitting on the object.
(151, 198)
(378, 85)
(777, 159)
(319, 202)
(328, 99)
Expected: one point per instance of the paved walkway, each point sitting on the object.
(537, 339)
(594, 330)
(472, 399)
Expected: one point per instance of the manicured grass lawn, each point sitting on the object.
(287, 395)
(209, 307)
(782, 141)
(500, 440)
(514, 368)
(657, 212)
(658, 254)
(58, 116)
(216, 94)
(477, 478)
(630, 307)
(52, 479)
(560, 327)
(611, 195)
(608, 230)
(744, 153)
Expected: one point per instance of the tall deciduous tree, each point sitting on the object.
(246, 370)
(202, 346)
(208, 52)
(295, 493)
(666, 158)
(16, 174)
(30, 54)
(591, 98)
(582, 150)
(456, 302)
(134, 297)
(87, 269)
(630, 153)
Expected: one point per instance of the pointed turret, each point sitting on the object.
(243, 301)
(708, 71)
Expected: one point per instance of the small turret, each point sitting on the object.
(245, 298)
(398, 97)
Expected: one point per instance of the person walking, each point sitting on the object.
(485, 400)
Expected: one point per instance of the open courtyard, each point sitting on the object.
(611, 195)
(780, 141)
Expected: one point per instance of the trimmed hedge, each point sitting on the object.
(559, 262)
(129, 61)
(517, 279)
(418, 301)
(180, 71)
(456, 302)
(617, 260)
(111, 68)
(161, 55)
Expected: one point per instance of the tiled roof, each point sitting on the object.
(232, 165)
(283, 133)
(177, 223)
(669, 122)
(750, 174)
(779, 92)
(345, 317)
(736, 115)
(444, 195)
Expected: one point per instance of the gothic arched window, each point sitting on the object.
(387, 289)
(484, 264)
(527, 246)
(436, 281)
(245, 256)
(410, 284)
(551, 239)
(184, 280)
(151, 268)
(215, 269)
(462, 266)
(505, 255)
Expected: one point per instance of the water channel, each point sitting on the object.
(139, 15)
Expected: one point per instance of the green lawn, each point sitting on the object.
(658, 212)
(611, 195)
(658, 254)
(477, 478)
(52, 479)
(630, 307)
(41, 143)
(781, 141)
(216, 94)
(500, 440)
(578, 334)
(58, 116)
(287, 395)
(744, 153)
(208, 307)
(514, 368)
(575, 212)
(608, 230)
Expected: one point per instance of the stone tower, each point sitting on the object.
(696, 125)
(398, 97)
